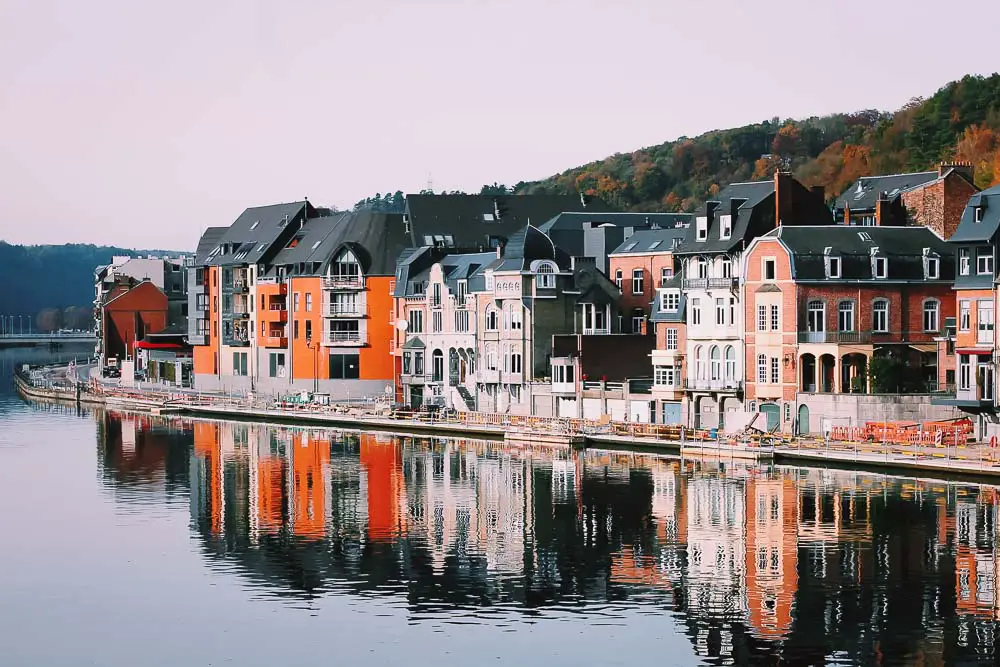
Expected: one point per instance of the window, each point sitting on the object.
(977, 213)
(727, 267)
(931, 312)
(418, 363)
(462, 320)
(845, 316)
(546, 278)
(492, 319)
(463, 290)
(964, 372)
(715, 363)
(933, 268)
(492, 362)
(695, 311)
(436, 295)
(963, 261)
(701, 227)
(562, 374)
(277, 365)
(732, 310)
(295, 302)
(637, 319)
(880, 316)
(761, 318)
(816, 316)
(295, 330)
(407, 363)
(761, 368)
(436, 321)
(618, 279)
(775, 371)
(984, 261)
(309, 330)
(416, 321)
(670, 301)
(701, 268)
(880, 267)
(788, 418)
(730, 364)
(671, 339)
(699, 362)
(437, 366)
(637, 281)
(769, 268)
(964, 315)
(348, 366)
(984, 321)
(666, 273)
(665, 376)
(832, 267)
(512, 316)
(726, 230)
(490, 281)
(515, 362)
(775, 318)
(240, 364)
(720, 311)
(201, 302)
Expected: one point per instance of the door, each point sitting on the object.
(772, 413)
(672, 413)
(803, 425)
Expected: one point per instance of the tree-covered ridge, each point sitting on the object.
(959, 122)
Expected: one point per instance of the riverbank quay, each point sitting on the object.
(976, 460)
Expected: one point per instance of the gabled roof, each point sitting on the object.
(308, 243)
(528, 245)
(737, 200)
(254, 233)
(970, 231)
(415, 267)
(469, 221)
(208, 242)
(903, 247)
(646, 241)
(863, 193)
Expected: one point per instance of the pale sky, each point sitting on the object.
(140, 123)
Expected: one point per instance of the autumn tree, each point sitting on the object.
(49, 319)
(981, 147)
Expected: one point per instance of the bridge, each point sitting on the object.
(55, 338)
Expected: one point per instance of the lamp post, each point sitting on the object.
(314, 346)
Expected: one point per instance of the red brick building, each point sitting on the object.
(642, 267)
(822, 302)
(131, 311)
(932, 199)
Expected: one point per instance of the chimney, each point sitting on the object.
(962, 167)
(882, 209)
(783, 210)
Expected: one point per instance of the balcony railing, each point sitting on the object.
(343, 310)
(346, 338)
(343, 282)
(278, 340)
(711, 283)
(835, 336)
(240, 286)
(596, 331)
(701, 384)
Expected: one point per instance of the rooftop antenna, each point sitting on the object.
(430, 182)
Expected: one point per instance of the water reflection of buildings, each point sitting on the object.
(793, 562)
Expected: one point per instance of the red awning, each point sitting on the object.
(146, 345)
(973, 350)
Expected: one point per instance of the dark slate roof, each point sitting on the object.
(254, 233)
(310, 243)
(738, 200)
(207, 243)
(646, 241)
(863, 194)
(469, 221)
(596, 219)
(970, 231)
(416, 268)
(902, 246)
(528, 245)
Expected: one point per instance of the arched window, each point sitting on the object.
(761, 369)
(545, 275)
(716, 362)
(932, 312)
(816, 317)
(730, 363)
(492, 318)
(515, 361)
(345, 266)
(512, 316)
(699, 363)
(845, 316)
(880, 316)
(437, 365)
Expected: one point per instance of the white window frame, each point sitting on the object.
(775, 317)
(933, 269)
(766, 262)
(701, 228)
(761, 369)
(932, 315)
(637, 281)
(880, 267)
(965, 315)
(725, 226)
(984, 323)
(833, 266)
(964, 261)
(671, 339)
(846, 315)
(761, 317)
(883, 313)
(984, 261)
(696, 311)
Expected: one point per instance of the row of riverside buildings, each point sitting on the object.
(763, 306)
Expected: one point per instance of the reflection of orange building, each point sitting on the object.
(382, 460)
(976, 567)
(310, 460)
(271, 496)
(771, 555)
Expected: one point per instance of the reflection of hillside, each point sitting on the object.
(790, 563)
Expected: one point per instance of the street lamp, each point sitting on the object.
(314, 346)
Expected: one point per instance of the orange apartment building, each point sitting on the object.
(821, 302)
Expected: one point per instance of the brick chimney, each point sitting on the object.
(783, 209)
(964, 168)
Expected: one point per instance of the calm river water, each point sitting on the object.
(132, 540)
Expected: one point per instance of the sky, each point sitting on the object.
(140, 124)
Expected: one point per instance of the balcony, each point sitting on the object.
(346, 310)
(596, 331)
(701, 384)
(711, 283)
(343, 282)
(241, 286)
(276, 340)
(276, 314)
(835, 337)
(343, 339)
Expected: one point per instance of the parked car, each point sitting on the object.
(111, 372)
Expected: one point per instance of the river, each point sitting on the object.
(138, 540)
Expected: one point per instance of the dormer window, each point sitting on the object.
(670, 301)
(701, 228)
(833, 267)
(977, 213)
(880, 267)
(726, 226)
(984, 260)
(964, 261)
(545, 275)
(932, 265)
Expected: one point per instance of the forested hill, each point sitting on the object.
(959, 122)
(53, 276)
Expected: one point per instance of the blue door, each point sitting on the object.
(671, 413)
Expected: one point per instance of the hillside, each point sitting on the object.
(959, 122)
(53, 276)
